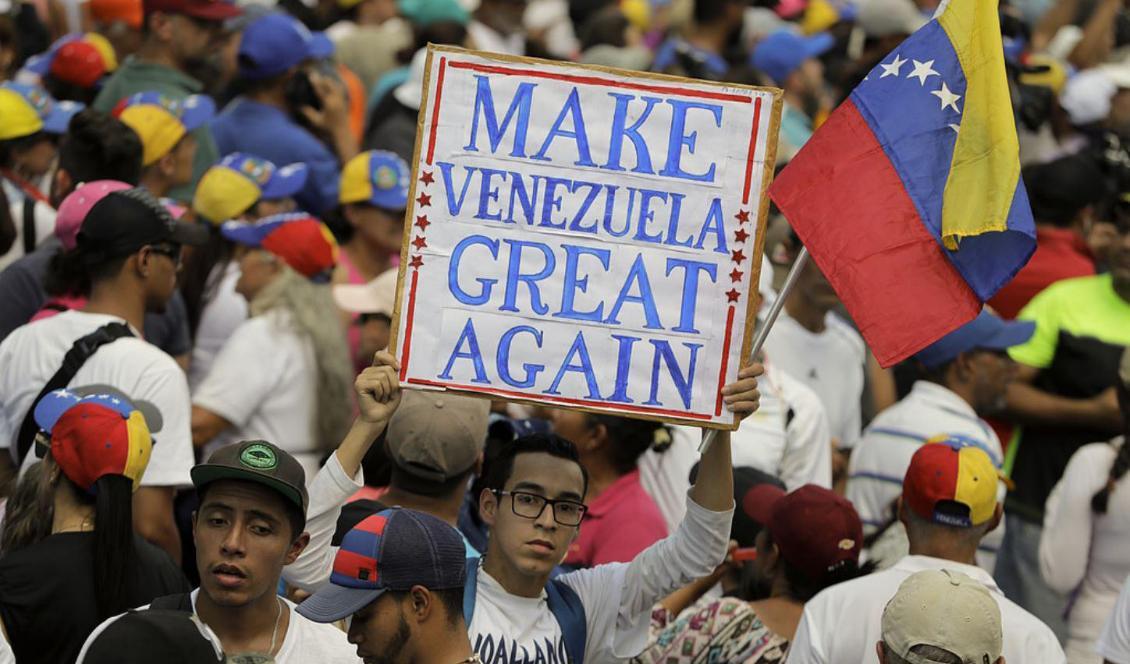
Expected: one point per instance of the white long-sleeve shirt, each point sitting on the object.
(328, 491)
(1087, 552)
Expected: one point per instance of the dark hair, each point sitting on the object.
(29, 511)
(202, 273)
(1100, 501)
(932, 653)
(98, 146)
(294, 515)
(406, 481)
(450, 598)
(115, 555)
(71, 273)
(1059, 190)
(67, 91)
(802, 588)
(499, 468)
(630, 438)
(10, 147)
(709, 11)
(606, 26)
(7, 224)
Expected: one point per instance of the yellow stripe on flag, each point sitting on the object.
(986, 158)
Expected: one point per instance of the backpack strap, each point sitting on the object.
(29, 225)
(77, 356)
(565, 605)
(178, 602)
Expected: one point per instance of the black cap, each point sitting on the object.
(256, 461)
(1058, 190)
(142, 637)
(125, 221)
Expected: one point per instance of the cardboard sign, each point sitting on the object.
(583, 237)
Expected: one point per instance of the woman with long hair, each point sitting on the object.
(284, 374)
(71, 558)
(1087, 533)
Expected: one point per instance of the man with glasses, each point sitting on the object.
(128, 249)
(1064, 397)
(533, 501)
(964, 378)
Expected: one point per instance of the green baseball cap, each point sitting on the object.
(256, 461)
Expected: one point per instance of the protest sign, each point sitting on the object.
(583, 237)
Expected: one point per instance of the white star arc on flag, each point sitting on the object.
(923, 71)
(893, 68)
(948, 99)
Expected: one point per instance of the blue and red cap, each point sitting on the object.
(274, 43)
(94, 436)
(161, 121)
(299, 240)
(391, 550)
(985, 332)
(240, 180)
(782, 52)
(376, 177)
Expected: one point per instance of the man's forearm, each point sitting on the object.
(714, 487)
(1031, 405)
(356, 444)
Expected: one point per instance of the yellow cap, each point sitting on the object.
(224, 194)
(18, 118)
(158, 129)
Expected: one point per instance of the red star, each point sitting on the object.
(732, 295)
(742, 216)
(740, 236)
(419, 242)
(427, 178)
(422, 222)
(737, 256)
(736, 275)
(424, 200)
(416, 261)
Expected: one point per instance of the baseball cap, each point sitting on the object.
(124, 221)
(985, 332)
(206, 10)
(256, 461)
(752, 487)
(26, 109)
(422, 13)
(437, 436)
(273, 44)
(301, 241)
(153, 635)
(377, 177)
(240, 180)
(129, 12)
(395, 549)
(160, 121)
(77, 204)
(376, 297)
(816, 531)
(779, 54)
(947, 610)
(951, 481)
(94, 436)
(78, 59)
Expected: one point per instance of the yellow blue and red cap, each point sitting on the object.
(376, 177)
(952, 481)
(27, 109)
(299, 240)
(240, 180)
(79, 59)
(161, 121)
(95, 435)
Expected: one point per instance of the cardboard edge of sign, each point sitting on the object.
(762, 215)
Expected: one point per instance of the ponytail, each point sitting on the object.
(1101, 499)
(115, 556)
(30, 509)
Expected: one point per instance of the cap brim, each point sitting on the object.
(818, 44)
(59, 119)
(198, 111)
(332, 603)
(360, 299)
(286, 181)
(409, 93)
(249, 235)
(51, 407)
(206, 473)
(190, 234)
(212, 11)
(1011, 333)
(320, 47)
(758, 502)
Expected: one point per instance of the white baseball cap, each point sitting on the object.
(947, 610)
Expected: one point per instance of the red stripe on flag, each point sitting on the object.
(846, 202)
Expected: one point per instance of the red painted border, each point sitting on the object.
(408, 324)
(562, 400)
(435, 111)
(725, 359)
(596, 80)
(752, 150)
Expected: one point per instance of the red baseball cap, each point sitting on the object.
(815, 530)
(208, 10)
(301, 241)
(952, 481)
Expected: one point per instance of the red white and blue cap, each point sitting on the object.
(391, 550)
(301, 241)
(985, 332)
(95, 435)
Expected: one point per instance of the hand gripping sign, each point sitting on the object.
(583, 237)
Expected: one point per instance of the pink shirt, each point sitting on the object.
(619, 524)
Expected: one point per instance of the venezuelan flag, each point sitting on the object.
(909, 197)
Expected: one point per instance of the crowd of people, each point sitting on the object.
(208, 457)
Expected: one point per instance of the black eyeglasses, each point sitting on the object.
(170, 250)
(531, 506)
